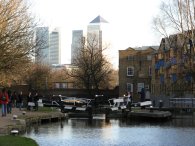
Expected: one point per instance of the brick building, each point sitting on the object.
(174, 67)
(135, 66)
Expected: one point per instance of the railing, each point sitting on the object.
(182, 103)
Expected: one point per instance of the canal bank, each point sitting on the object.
(135, 113)
(20, 120)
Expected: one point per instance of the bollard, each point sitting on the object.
(151, 108)
(154, 103)
(14, 132)
(15, 117)
(160, 104)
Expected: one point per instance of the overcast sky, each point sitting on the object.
(130, 21)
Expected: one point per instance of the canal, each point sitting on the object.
(84, 132)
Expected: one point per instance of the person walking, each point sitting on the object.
(4, 101)
(36, 98)
(20, 100)
(142, 95)
(14, 97)
(9, 105)
(29, 101)
(128, 100)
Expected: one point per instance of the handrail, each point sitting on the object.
(182, 102)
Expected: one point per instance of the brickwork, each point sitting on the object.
(140, 61)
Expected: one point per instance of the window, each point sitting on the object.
(147, 87)
(149, 57)
(150, 71)
(57, 85)
(64, 85)
(60, 85)
(140, 86)
(130, 71)
(129, 87)
(130, 58)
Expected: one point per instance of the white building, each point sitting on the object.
(42, 45)
(95, 31)
(77, 38)
(55, 47)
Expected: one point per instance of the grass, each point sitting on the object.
(46, 109)
(136, 109)
(10, 140)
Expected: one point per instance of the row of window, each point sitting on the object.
(66, 85)
(143, 58)
(130, 71)
(139, 87)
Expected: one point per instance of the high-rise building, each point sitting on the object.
(94, 37)
(54, 47)
(42, 45)
(95, 31)
(77, 43)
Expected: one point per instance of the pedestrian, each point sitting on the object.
(36, 98)
(9, 105)
(129, 100)
(14, 99)
(20, 100)
(147, 95)
(4, 101)
(29, 101)
(142, 95)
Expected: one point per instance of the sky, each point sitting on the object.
(130, 21)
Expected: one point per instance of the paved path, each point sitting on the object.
(8, 120)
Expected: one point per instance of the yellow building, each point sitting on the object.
(174, 65)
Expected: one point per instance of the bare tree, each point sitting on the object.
(37, 76)
(176, 17)
(176, 23)
(17, 41)
(92, 69)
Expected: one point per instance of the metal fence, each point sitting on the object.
(182, 103)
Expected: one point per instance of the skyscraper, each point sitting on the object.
(54, 47)
(94, 31)
(42, 45)
(94, 35)
(77, 37)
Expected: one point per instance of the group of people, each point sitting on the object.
(144, 96)
(9, 99)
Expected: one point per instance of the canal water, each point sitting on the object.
(84, 132)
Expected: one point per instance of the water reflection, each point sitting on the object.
(178, 132)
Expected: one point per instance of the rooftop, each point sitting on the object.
(99, 19)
